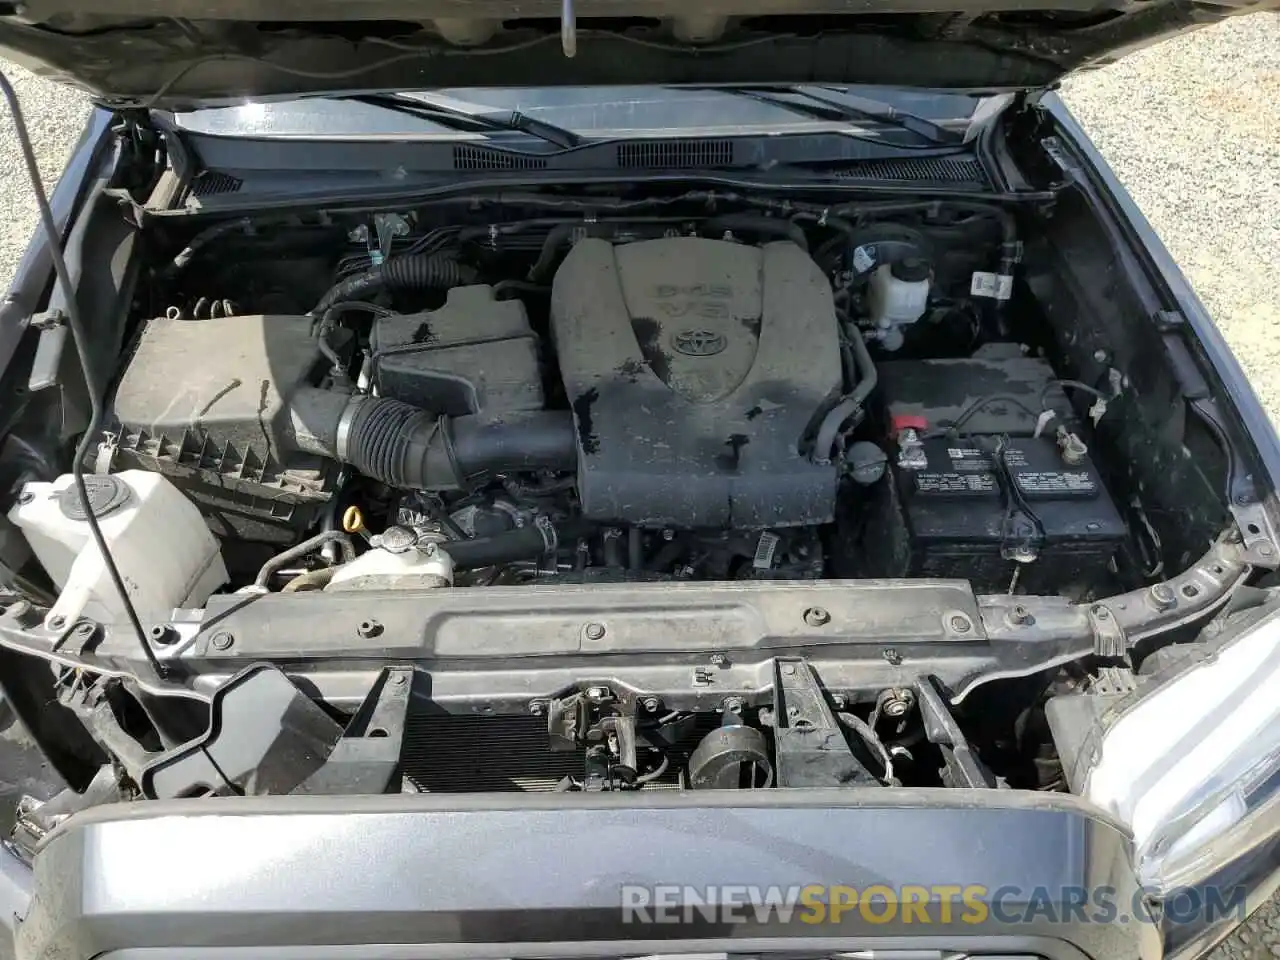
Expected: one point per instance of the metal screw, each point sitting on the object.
(732, 705)
(537, 707)
(398, 680)
(1265, 550)
(789, 669)
(1093, 525)
(717, 659)
(817, 617)
(897, 703)
(162, 634)
(223, 641)
(84, 631)
(58, 622)
(597, 694)
(793, 712)
(1243, 499)
(595, 631)
(1020, 614)
(1101, 612)
(892, 656)
(1163, 597)
(652, 704)
(369, 629)
(961, 624)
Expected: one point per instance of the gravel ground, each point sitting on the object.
(1190, 127)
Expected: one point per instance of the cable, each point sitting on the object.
(981, 402)
(1074, 385)
(81, 340)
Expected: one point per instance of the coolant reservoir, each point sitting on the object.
(164, 551)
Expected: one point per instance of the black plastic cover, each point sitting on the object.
(695, 368)
(473, 354)
(206, 402)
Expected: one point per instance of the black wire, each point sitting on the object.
(981, 402)
(81, 340)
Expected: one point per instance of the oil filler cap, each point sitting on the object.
(106, 495)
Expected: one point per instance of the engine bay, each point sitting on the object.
(737, 399)
(675, 488)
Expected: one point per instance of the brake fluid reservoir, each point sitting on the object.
(164, 551)
(898, 297)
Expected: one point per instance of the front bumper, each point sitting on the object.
(584, 875)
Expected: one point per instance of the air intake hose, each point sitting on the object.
(405, 446)
(419, 271)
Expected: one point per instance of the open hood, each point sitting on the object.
(188, 52)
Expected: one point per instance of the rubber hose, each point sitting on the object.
(311, 580)
(850, 403)
(523, 543)
(308, 546)
(404, 446)
(417, 271)
(759, 223)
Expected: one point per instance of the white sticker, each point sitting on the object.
(997, 285)
(864, 258)
(766, 546)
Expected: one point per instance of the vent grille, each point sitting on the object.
(948, 170)
(468, 157)
(444, 753)
(675, 153)
(210, 182)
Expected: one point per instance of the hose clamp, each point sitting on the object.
(342, 436)
(550, 540)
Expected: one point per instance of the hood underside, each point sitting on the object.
(215, 51)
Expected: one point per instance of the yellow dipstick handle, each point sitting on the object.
(353, 520)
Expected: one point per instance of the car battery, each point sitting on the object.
(976, 507)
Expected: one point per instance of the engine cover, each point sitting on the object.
(695, 368)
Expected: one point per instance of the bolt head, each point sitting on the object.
(652, 704)
(58, 622)
(537, 707)
(223, 641)
(1265, 550)
(369, 629)
(817, 617)
(960, 624)
(894, 708)
(595, 631)
(717, 659)
(597, 694)
(892, 656)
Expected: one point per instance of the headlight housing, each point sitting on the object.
(1194, 767)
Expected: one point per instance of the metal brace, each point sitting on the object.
(568, 29)
(1108, 636)
(1113, 681)
(1257, 536)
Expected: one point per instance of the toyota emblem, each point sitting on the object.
(699, 343)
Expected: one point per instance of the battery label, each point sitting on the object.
(956, 483)
(1055, 483)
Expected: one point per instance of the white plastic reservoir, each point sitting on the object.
(164, 551)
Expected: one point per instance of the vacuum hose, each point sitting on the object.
(419, 271)
(405, 446)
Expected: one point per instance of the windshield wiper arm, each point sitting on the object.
(458, 119)
(850, 106)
